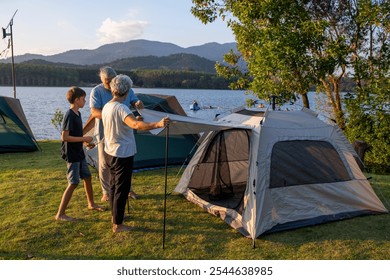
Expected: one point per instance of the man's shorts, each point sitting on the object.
(77, 170)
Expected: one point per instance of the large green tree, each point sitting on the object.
(272, 38)
(290, 45)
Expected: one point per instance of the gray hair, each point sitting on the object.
(107, 72)
(121, 85)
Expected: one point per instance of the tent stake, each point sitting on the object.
(166, 181)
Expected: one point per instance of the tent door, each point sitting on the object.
(221, 174)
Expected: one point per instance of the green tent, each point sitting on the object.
(151, 148)
(15, 132)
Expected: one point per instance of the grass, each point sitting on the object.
(31, 186)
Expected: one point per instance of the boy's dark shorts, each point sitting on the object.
(77, 170)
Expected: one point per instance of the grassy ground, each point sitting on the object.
(31, 186)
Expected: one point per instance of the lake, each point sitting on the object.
(40, 103)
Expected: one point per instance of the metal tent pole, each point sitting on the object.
(166, 180)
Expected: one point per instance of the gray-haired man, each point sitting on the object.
(100, 96)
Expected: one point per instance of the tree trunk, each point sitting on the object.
(360, 147)
(305, 101)
(338, 110)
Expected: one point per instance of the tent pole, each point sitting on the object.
(273, 102)
(166, 181)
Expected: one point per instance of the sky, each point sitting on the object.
(53, 26)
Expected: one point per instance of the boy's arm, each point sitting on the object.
(68, 138)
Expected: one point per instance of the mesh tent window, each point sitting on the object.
(305, 162)
(221, 174)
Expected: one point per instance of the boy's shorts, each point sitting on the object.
(77, 170)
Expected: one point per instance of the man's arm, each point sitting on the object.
(138, 104)
(96, 113)
(134, 101)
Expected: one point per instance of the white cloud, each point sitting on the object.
(120, 31)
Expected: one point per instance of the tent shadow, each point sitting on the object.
(363, 228)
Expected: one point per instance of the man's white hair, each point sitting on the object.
(107, 72)
(121, 85)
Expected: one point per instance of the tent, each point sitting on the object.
(15, 132)
(277, 170)
(151, 148)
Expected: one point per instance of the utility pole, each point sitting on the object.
(5, 34)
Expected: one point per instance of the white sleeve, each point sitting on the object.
(124, 111)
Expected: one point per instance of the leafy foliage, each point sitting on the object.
(369, 107)
(290, 45)
(57, 119)
(369, 120)
(273, 38)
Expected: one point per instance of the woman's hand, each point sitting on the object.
(163, 122)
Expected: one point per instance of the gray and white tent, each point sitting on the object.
(278, 170)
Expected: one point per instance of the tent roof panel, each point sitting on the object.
(185, 125)
(292, 120)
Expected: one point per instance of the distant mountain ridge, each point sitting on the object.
(135, 48)
(180, 62)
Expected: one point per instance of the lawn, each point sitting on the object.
(31, 186)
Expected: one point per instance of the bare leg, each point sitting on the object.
(133, 194)
(61, 216)
(89, 193)
(104, 173)
(120, 228)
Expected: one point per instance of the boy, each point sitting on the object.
(72, 152)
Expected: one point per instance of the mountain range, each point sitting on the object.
(134, 48)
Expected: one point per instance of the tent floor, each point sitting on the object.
(228, 200)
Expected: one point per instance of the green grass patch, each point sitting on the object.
(31, 186)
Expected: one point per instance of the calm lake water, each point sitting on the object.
(40, 103)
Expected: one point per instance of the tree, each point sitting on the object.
(272, 37)
(292, 44)
(369, 107)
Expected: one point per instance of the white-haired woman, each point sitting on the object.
(100, 95)
(120, 146)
